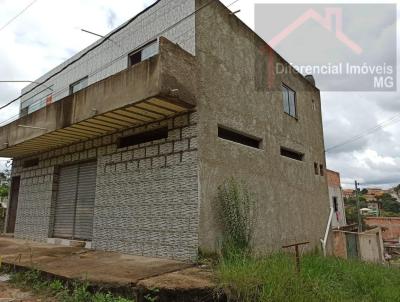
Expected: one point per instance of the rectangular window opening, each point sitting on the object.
(239, 138)
(78, 85)
(316, 171)
(321, 170)
(143, 137)
(335, 204)
(292, 154)
(143, 53)
(289, 101)
(30, 163)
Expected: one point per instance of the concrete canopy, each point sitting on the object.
(157, 88)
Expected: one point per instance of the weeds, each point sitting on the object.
(152, 296)
(245, 278)
(236, 214)
(77, 292)
(273, 278)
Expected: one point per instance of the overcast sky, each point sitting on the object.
(48, 33)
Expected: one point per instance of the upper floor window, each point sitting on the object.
(335, 204)
(289, 101)
(78, 85)
(147, 51)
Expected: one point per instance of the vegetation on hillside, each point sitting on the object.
(390, 207)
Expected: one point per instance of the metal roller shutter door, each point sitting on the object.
(85, 201)
(65, 204)
(75, 202)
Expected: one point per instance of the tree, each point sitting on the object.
(364, 191)
(397, 190)
(352, 202)
(389, 204)
(3, 191)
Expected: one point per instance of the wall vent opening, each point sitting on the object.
(239, 138)
(321, 170)
(292, 154)
(143, 137)
(30, 163)
(316, 171)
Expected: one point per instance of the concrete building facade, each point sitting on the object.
(141, 151)
(336, 199)
(109, 56)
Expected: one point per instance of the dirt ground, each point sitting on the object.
(8, 293)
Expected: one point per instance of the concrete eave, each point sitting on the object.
(154, 89)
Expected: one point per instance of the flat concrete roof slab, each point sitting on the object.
(96, 267)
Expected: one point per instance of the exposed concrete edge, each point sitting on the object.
(173, 80)
(137, 290)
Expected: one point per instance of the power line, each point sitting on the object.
(107, 37)
(17, 15)
(22, 81)
(391, 121)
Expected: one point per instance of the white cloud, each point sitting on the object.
(49, 32)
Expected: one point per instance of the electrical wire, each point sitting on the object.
(17, 15)
(106, 38)
(389, 122)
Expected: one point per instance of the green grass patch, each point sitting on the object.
(274, 278)
(77, 292)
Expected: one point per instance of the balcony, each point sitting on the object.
(157, 88)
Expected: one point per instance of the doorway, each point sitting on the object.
(13, 204)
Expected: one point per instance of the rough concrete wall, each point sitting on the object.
(371, 245)
(390, 226)
(339, 217)
(112, 57)
(339, 248)
(237, 90)
(146, 196)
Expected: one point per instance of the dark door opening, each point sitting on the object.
(352, 247)
(13, 204)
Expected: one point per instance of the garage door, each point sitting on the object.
(75, 202)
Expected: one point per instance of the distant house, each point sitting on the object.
(375, 207)
(336, 199)
(347, 193)
(369, 197)
(375, 192)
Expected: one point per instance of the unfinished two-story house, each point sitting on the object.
(124, 145)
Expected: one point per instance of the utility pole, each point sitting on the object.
(358, 207)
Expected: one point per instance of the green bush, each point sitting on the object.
(236, 205)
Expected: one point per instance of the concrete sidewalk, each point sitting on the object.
(105, 269)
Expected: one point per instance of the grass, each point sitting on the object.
(77, 292)
(273, 278)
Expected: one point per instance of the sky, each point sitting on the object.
(49, 32)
